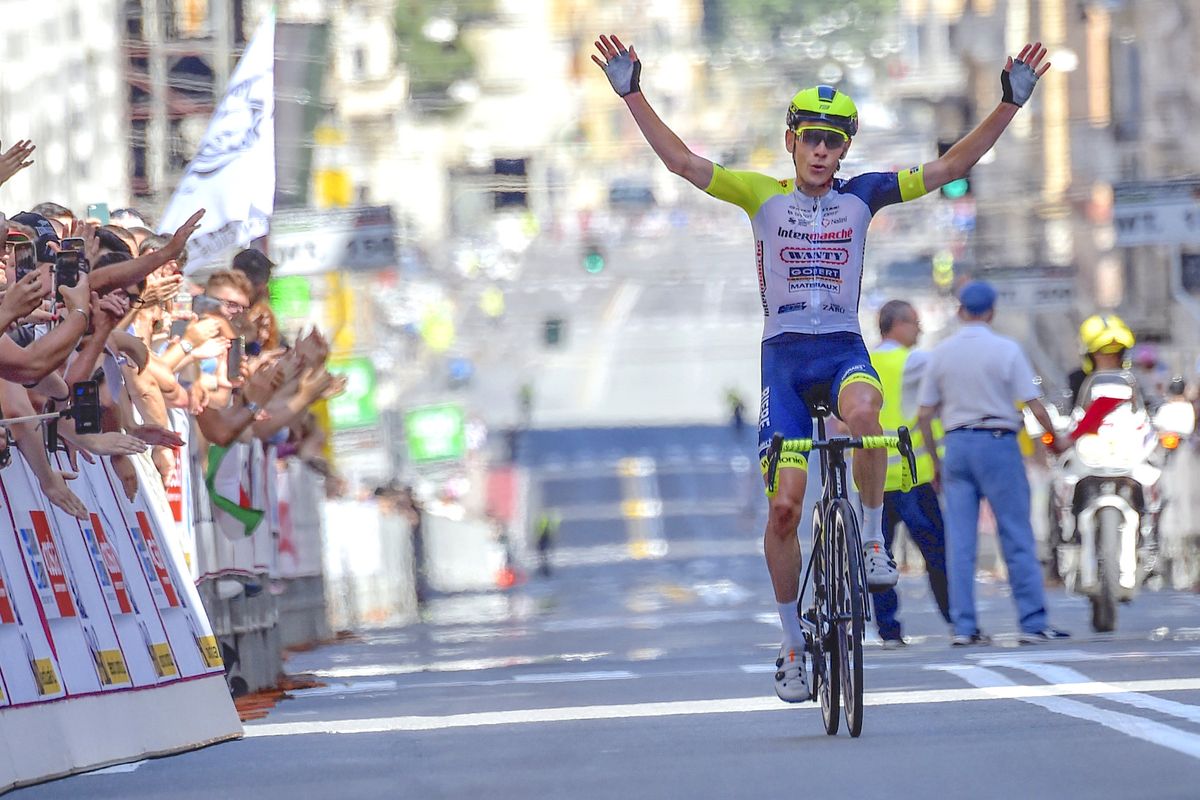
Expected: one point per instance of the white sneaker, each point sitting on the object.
(881, 570)
(791, 676)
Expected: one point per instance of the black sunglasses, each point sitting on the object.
(833, 140)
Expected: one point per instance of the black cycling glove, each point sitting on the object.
(623, 73)
(1017, 83)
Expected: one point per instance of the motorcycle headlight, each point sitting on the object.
(1092, 450)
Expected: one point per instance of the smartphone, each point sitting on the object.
(98, 212)
(178, 328)
(67, 266)
(203, 304)
(24, 258)
(72, 243)
(85, 406)
(233, 363)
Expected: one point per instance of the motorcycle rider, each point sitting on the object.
(1105, 341)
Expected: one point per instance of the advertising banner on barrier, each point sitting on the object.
(98, 607)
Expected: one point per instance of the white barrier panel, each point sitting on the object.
(106, 654)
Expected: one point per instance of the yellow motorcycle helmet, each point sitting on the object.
(1103, 333)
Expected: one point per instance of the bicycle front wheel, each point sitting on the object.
(826, 678)
(850, 626)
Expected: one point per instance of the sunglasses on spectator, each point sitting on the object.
(833, 140)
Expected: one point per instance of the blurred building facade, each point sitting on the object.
(61, 87)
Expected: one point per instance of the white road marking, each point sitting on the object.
(1057, 674)
(572, 677)
(997, 688)
(358, 687)
(1137, 727)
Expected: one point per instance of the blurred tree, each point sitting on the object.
(429, 41)
(783, 23)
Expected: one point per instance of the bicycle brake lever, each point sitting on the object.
(906, 449)
(774, 451)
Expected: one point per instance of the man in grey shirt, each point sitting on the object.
(976, 382)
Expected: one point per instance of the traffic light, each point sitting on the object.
(593, 258)
(958, 188)
(552, 331)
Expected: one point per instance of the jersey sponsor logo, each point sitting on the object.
(762, 278)
(808, 286)
(792, 307)
(764, 409)
(815, 255)
(833, 308)
(821, 273)
(841, 236)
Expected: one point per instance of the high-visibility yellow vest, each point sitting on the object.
(890, 366)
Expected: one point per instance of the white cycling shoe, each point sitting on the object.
(881, 570)
(791, 676)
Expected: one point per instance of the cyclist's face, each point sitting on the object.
(816, 152)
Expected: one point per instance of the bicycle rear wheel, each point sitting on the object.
(852, 592)
(825, 657)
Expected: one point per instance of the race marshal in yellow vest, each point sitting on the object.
(900, 369)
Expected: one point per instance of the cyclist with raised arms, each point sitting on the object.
(810, 232)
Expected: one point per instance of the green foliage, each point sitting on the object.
(435, 66)
(774, 21)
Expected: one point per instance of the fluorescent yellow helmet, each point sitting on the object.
(823, 107)
(1105, 333)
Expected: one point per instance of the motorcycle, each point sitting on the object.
(1105, 496)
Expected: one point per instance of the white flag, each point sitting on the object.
(233, 173)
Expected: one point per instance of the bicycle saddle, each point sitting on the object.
(819, 400)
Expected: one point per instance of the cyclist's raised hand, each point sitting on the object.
(1018, 78)
(621, 66)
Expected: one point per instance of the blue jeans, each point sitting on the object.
(983, 464)
(918, 510)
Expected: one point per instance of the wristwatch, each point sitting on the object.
(186, 346)
(253, 407)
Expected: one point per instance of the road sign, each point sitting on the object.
(1157, 212)
(307, 242)
(435, 433)
(355, 407)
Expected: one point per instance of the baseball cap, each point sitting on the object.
(44, 230)
(977, 297)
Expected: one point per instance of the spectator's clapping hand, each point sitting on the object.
(197, 398)
(313, 348)
(157, 436)
(107, 311)
(213, 348)
(15, 159)
(202, 330)
(174, 248)
(161, 288)
(111, 444)
(314, 383)
(81, 229)
(25, 296)
(77, 296)
(58, 493)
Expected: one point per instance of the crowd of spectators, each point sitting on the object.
(172, 354)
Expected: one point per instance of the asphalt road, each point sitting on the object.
(626, 677)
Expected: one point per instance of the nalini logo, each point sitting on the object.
(815, 255)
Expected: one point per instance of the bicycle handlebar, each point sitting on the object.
(901, 442)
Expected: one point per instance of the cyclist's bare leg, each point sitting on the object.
(858, 404)
(780, 544)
